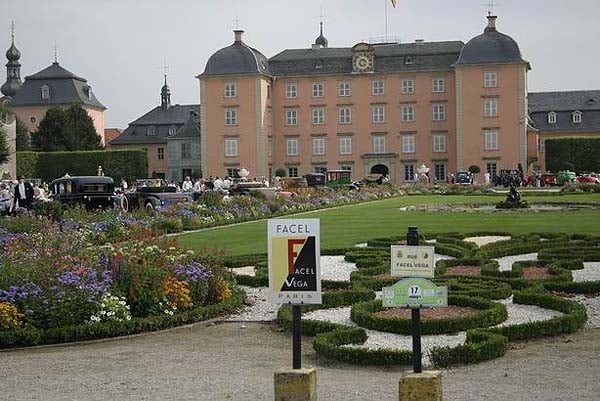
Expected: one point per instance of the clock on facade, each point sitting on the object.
(362, 63)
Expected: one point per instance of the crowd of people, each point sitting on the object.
(198, 185)
(20, 194)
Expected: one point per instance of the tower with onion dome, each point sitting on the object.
(13, 68)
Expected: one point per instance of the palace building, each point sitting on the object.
(380, 108)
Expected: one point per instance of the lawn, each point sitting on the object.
(346, 226)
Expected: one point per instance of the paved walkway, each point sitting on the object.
(234, 361)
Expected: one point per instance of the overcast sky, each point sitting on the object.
(120, 46)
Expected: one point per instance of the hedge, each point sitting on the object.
(28, 336)
(480, 345)
(491, 313)
(582, 153)
(118, 164)
(587, 287)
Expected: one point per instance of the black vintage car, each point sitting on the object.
(151, 194)
(91, 191)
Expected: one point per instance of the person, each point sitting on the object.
(486, 178)
(124, 185)
(198, 185)
(187, 186)
(5, 199)
(23, 196)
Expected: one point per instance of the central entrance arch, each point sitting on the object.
(380, 169)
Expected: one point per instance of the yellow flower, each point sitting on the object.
(10, 317)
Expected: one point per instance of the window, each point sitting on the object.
(378, 87)
(268, 91)
(233, 172)
(160, 153)
(408, 86)
(552, 118)
(292, 147)
(270, 150)
(378, 114)
(345, 145)
(408, 112)
(270, 117)
(291, 91)
(346, 167)
(438, 85)
(231, 116)
(231, 147)
(577, 117)
(292, 171)
(318, 115)
(186, 150)
(151, 130)
(490, 140)
(230, 89)
(291, 117)
(344, 89)
(318, 146)
(45, 92)
(318, 89)
(345, 115)
(439, 143)
(490, 107)
(320, 169)
(409, 172)
(172, 130)
(408, 144)
(490, 79)
(379, 144)
(439, 111)
(439, 171)
(492, 169)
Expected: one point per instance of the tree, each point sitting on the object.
(66, 129)
(23, 140)
(474, 169)
(4, 151)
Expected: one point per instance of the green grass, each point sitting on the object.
(346, 226)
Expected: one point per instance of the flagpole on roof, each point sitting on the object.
(386, 20)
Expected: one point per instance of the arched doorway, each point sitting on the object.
(380, 169)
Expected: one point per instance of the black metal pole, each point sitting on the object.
(412, 238)
(296, 337)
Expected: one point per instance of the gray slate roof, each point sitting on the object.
(238, 58)
(388, 58)
(564, 104)
(65, 88)
(161, 119)
(191, 129)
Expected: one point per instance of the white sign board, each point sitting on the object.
(294, 254)
(412, 261)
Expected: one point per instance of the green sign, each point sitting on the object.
(415, 293)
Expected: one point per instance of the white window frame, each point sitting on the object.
(576, 117)
(490, 140)
(440, 171)
(438, 85)
(409, 144)
(439, 143)
(172, 130)
(438, 111)
(45, 92)
(408, 172)
(346, 167)
(408, 86)
(492, 169)
(291, 116)
(552, 117)
(378, 112)
(318, 89)
(291, 91)
(318, 115)
(344, 89)
(490, 107)
(490, 79)
(231, 147)
(345, 115)
(318, 148)
(291, 147)
(231, 116)
(230, 89)
(378, 88)
(345, 145)
(160, 153)
(151, 130)
(378, 144)
(293, 172)
(320, 169)
(408, 112)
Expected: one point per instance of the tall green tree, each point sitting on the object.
(4, 151)
(66, 130)
(23, 140)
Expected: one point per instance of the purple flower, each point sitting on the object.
(193, 272)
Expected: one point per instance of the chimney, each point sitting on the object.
(491, 23)
(419, 40)
(238, 35)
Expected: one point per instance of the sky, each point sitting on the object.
(120, 46)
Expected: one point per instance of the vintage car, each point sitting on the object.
(565, 177)
(93, 192)
(545, 180)
(506, 178)
(150, 194)
(588, 179)
(464, 178)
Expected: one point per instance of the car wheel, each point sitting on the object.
(149, 207)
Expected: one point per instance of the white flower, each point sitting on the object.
(122, 303)
(128, 317)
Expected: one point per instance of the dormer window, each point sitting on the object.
(408, 60)
(172, 130)
(151, 131)
(576, 117)
(45, 92)
(87, 90)
(552, 118)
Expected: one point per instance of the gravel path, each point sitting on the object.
(590, 272)
(507, 261)
(486, 239)
(592, 307)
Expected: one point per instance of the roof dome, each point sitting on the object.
(490, 47)
(238, 58)
(10, 87)
(321, 40)
(13, 54)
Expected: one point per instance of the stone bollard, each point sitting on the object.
(425, 386)
(296, 384)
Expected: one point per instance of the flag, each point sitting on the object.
(394, 3)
